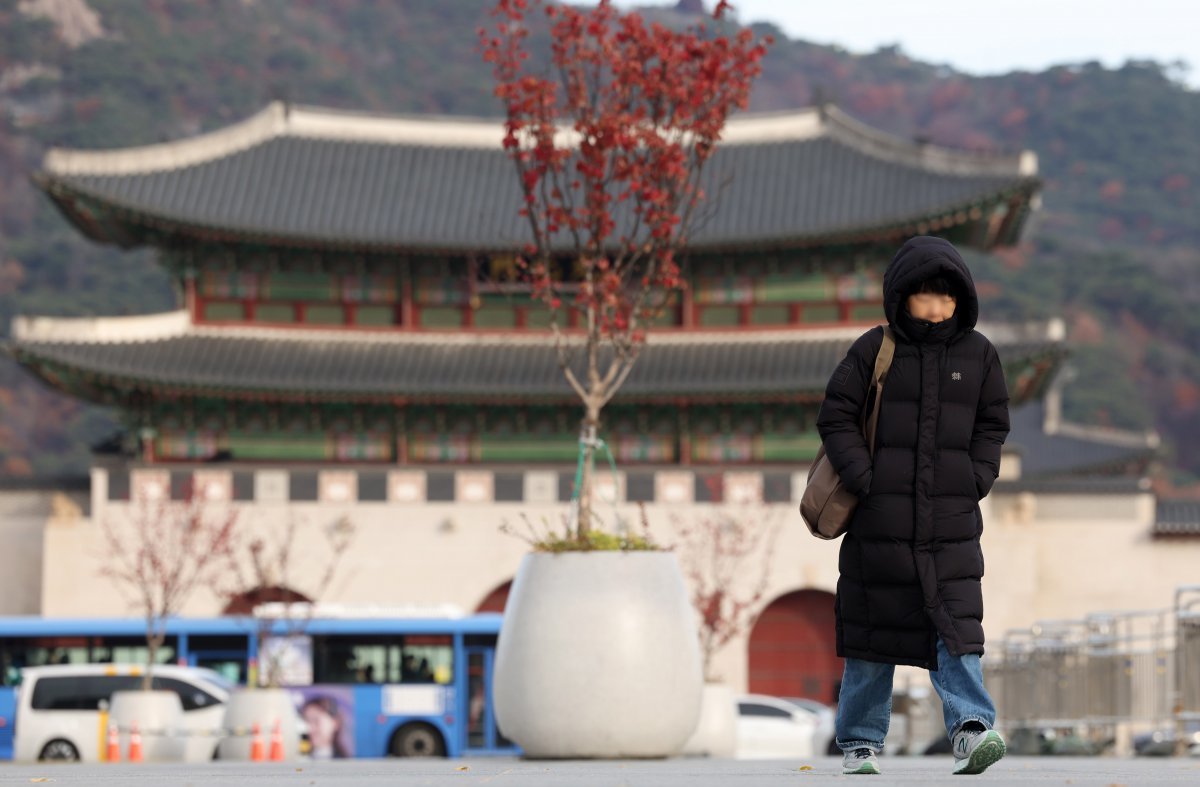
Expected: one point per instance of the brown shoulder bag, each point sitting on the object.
(826, 506)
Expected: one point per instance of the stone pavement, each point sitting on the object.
(924, 771)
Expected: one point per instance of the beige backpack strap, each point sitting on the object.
(883, 360)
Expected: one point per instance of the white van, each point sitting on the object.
(769, 728)
(58, 708)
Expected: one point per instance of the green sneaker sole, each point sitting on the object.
(864, 768)
(987, 753)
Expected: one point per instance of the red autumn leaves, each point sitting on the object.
(609, 140)
(609, 143)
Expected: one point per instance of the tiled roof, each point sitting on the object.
(308, 176)
(1050, 455)
(382, 365)
(1177, 518)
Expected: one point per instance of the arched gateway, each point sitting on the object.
(792, 647)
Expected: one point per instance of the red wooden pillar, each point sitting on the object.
(473, 300)
(189, 297)
(400, 423)
(406, 317)
(148, 456)
(685, 436)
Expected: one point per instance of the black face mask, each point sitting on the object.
(926, 332)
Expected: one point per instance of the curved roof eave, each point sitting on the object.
(138, 217)
(411, 197)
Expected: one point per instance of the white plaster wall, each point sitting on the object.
(1063, 556)
(23, 515)
(432, 553)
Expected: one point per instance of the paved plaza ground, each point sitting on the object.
(925, 771)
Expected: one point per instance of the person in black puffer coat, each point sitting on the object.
(910, 562)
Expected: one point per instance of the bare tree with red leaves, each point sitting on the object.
(162, 552)
(726, 556)
(609, 145)
(278, 576)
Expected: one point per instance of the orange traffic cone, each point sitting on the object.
(114, 744)
(256, 744)
(277, 742)
(135, 743)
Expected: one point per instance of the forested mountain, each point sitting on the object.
(1115, 248)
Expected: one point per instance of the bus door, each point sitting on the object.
(8, 715)
(483, 735)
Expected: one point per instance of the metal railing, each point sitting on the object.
(1103, 678)
(1187, 661)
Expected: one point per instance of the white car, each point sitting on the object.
(58, 708)
(826, 724)
(769, 728)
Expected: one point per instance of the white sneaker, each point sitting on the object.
(860, 760)
(974, 751)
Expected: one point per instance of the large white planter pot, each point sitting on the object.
(263, 707)
(716, 734)
(598, 657)
(157, 715)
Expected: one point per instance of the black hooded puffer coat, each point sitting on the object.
(910, 561)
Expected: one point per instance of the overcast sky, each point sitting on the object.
(992, 38)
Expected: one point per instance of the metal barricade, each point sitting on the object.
(1059, 664)
(1010, 681)
(1100, 681)
(1130, 667)
(1187, 652)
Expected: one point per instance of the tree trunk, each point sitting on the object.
(154, 641)
(587, 432)
(268, 660)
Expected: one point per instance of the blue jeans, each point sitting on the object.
(865, 700)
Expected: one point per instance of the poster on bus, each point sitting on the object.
(288, 659)
(329, 713)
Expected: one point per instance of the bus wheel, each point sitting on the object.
(59, 750)
(417, 740)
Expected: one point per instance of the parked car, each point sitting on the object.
(1161, 743)
(826, 724)
(772, 728)
(58, 708)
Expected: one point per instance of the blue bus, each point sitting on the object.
(367, 686)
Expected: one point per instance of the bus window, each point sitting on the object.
(427, 659)
(17, 653)
(227, 655)
(130, 650)
(232, 670)
(392, 659)
(476, 701)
